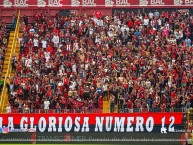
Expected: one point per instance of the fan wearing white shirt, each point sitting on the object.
(46, 105)
(110, 34)
(44, 44)
(32, 31)
(146, 22)
(55, 40)
(123, 28)
(105, 89)
(86, 66)
(8, 108)
(47, 56)
(28, 62)
(60, 84)
(91, 30)
(167, 25)
(74, 67)
(76, 45)
(72, 85)
(60, 72)
(36, 44)
(151, 15)
(80, 23)
(72, 22)
(159, 22)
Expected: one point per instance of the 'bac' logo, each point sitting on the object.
(75, 3)
(7, 3)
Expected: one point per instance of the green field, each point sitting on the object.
(141, 143)
(97, 144)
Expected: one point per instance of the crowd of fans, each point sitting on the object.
(3, 42)
(140, 60)
(3, 47)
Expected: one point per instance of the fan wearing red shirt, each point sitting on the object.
(58, 108)
(163, 107)
(18, 81)
(173, 94)
(81, 92)
(98, 14)
(130, 23)
(20, 92)
(66, 81)
(130, 106)
(49, 49)
(49, 92)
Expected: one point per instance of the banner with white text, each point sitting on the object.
(114, 128)
(136, 122)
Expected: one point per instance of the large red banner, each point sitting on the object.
(67, 4)
(135, 122)
(92, 117)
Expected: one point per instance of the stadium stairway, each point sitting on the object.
(11, 32)
(116, 109)
(106, 106)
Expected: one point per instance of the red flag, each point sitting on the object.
(76, 104)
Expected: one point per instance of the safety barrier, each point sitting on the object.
(134, 110)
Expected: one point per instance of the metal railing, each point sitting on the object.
(150, 110)
(37, 111)
(14, 44)
(134, 110)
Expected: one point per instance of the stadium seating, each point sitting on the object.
(135, 61)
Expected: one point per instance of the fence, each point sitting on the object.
(134, 110)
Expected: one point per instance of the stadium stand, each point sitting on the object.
(128, 62)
